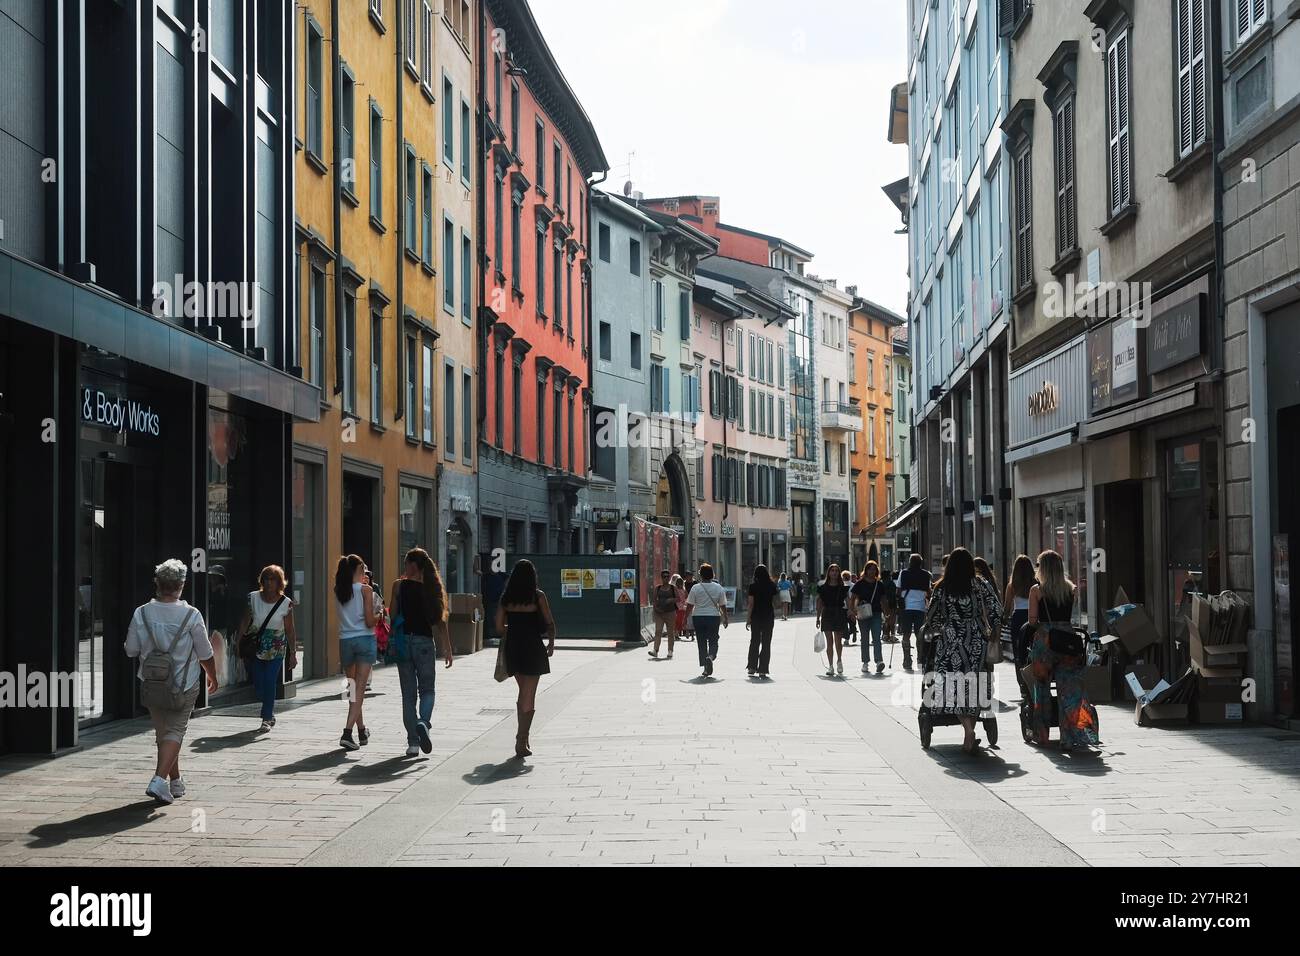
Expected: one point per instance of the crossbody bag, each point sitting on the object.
(250, 645)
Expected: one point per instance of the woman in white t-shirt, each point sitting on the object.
(171, 625)
(267, 632)
(707, 603)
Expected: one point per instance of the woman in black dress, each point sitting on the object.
(524, 618)
(833, 618)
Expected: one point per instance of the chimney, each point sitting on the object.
(851, 290)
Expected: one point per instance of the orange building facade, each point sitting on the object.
(871, 452)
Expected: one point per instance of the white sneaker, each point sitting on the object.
(840, 668)
(830, 671)
(159, 790)
(178, 787)
(412, 751)
(266, 726)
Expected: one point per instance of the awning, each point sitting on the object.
(906, 515)
(1181, 399)
(1041, 447)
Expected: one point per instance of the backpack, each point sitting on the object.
(158, 670)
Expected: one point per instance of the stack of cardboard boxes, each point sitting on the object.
(1216, 632)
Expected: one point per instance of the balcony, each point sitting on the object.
(837, 416)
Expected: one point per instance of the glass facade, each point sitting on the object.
(803, 382)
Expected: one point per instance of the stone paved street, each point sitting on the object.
(640, 762)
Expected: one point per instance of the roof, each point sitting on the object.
(667, 221)
(879, 311)
(772, 240)
(618, 206)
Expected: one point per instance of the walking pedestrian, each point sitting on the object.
(270, 609)
(1015, 606)
(848, 581)
(868, 604)
(665, 612)
(786, 587)
(798, 593)
(680, 616)
(355, 604)
(962, 616)
(760, 619)
(832, 618)
(524, 616)
(419, 598)
(913, 587)
(171, 641)
(706, 603)
(687, 632)
(1058, 654)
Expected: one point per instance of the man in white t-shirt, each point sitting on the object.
(707, 603)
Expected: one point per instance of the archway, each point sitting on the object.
(674, 506)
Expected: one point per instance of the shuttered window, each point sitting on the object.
(1024, 220)
(1119, 156)
(1067, 232)
(1189, 36)
(1249, 16)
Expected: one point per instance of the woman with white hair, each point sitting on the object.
(171, 641)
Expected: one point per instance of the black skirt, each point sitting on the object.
(526, 645)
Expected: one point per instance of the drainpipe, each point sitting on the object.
(336, 123)
(1219, 319)
(399, 143)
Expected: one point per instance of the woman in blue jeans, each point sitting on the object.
(269, 618)
(707, 604)
(419, 599)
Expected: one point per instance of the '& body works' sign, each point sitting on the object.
(125, 415)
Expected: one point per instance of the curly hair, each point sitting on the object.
(169, 577)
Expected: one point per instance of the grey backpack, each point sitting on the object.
(158, 675)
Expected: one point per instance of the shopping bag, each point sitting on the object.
(819, 643)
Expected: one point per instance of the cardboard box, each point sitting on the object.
(1097, 685)
(1214, 656)
(1219, 690)
(1146, 676)
(1200, 620)
(1219, 712)
(1134, 627)
(1148, 714)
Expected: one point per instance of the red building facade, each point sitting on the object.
(538, 151)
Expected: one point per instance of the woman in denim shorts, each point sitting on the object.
(355, 604)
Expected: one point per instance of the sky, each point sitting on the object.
(779, 108)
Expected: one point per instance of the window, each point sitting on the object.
(347, 143)
(428, 393)
(573, 461)
(376, 164)
(826, 466)
(853, 367)
(448, 123)
(635, 346)
(377, 367)
(1193, 92)
(557, 439)
(467, 416)
(409, 45)
(449, 408)
(539, 148)
(871, 371)
(349, 347)
(659, 305)
(603, 239)
(557, 161)
(517, 399)
(499, 396)
(498, 221)
(317, 345)
(448, 265)
(780, 366)
(516, 235)
(1248, 16)
(684, 312)
(1119, 155)
(514, 117)
(541, 418)
(410, 200)
(780, 418)
(315, 70)
(1024, 220)
(606, 342)
(541, 273)
(557, 268)
(496, 88)
(633, 256)
(660, 400)
(466, 268)
(889, 437)
(426, 46)
(466, 134)
(412, 385)
(1067, 230)
(427, 216)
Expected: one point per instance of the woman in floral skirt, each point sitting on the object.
(1058, 654)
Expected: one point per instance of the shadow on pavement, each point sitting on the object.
(394, 768)
(103, 823)
(486, 773)
(314, 763)
(206, 745)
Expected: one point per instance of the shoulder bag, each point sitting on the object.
(398, 649)
(250, 645)
(1066, 643)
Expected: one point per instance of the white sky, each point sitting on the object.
(778, 107)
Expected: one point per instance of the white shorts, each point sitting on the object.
(785, 597)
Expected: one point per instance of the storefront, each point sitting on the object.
(835, 533)
(1155, 462)
(1048, 402)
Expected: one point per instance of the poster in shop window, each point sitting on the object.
(1124, 361)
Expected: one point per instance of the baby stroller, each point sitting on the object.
(928, 719)
(1053, 705)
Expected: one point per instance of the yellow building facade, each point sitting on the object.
(871, 456)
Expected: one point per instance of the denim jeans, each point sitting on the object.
(706, 637)
(909, 623)
(266, 675)
(416, 676)
(871, 626)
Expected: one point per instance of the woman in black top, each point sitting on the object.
(832, 618)
(524, 617)
(420, 600)
(760, 620)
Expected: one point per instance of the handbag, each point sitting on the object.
(502, 672)
(1065, 643)
(250, 645)
(397, 651)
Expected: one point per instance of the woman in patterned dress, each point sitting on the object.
(964, 612)
(1051, 606)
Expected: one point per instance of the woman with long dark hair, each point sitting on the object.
(760, 618)
(964, 614)
(1015, 607)
(420, 600)
(524, 617)
(355, 605)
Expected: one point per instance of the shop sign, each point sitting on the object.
(124, 415)
(728, 530)
(1175, 334)
(1045, 400)
(1099, 359)
(1047, 397)
(706, 529)
(1124, 361)
(462, 503)
(607, 518)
